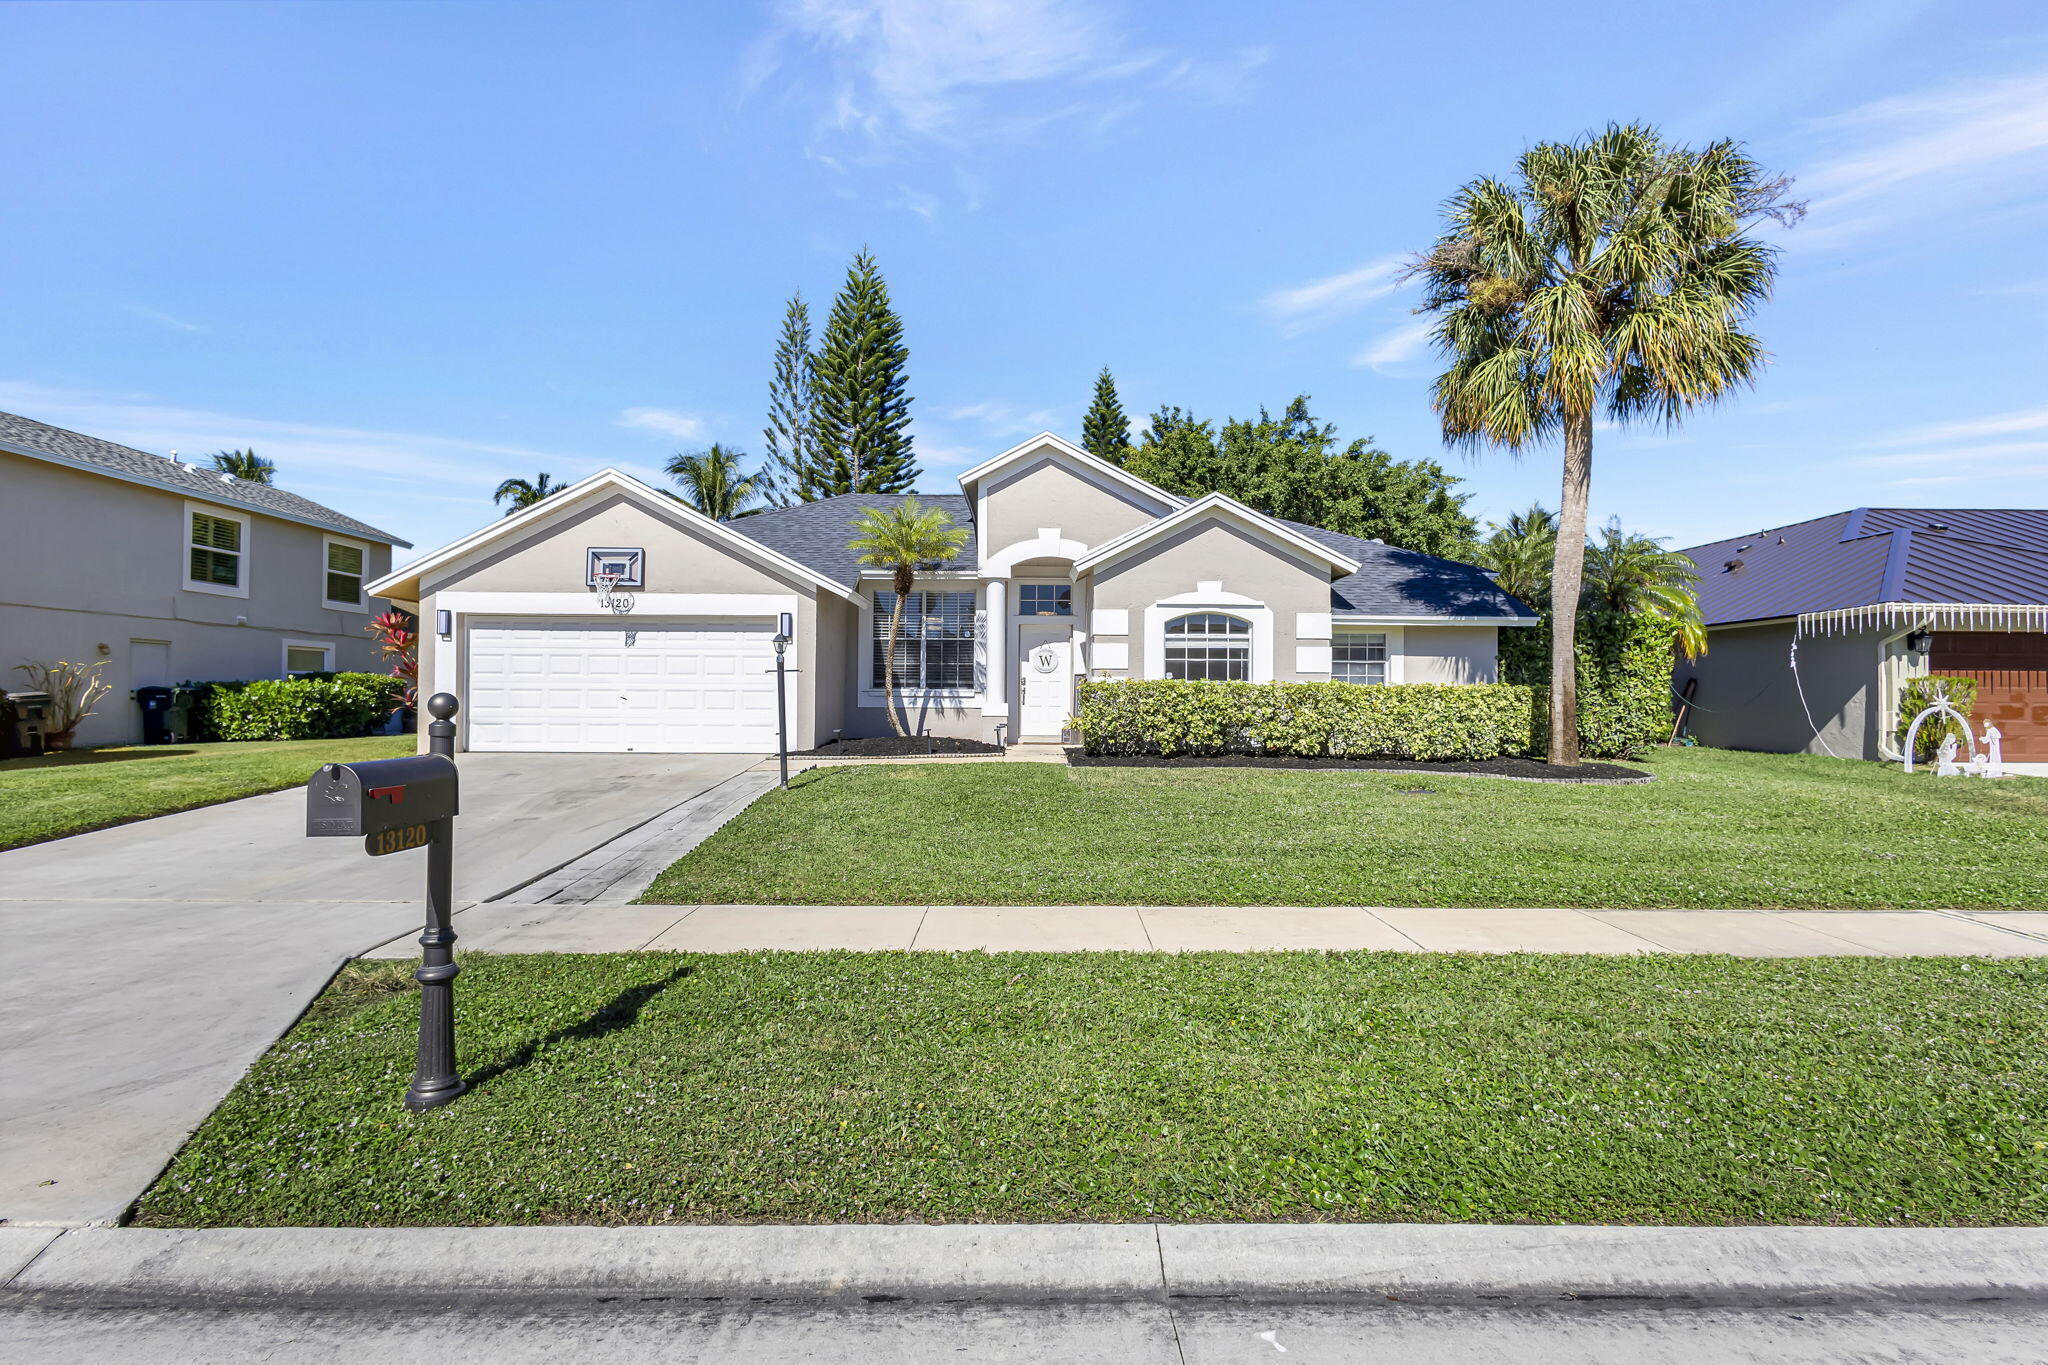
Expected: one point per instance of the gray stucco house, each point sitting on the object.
(1075, 568)
(169, 572)
(1869, 598)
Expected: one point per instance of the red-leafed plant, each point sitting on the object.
(398, 639)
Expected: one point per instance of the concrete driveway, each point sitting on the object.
(149, 965)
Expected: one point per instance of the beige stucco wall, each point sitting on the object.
(1212, 551)
(87, 560)
(1048, 492)
(550, 558)
(1450, 654)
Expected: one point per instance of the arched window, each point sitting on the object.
(1209, 646)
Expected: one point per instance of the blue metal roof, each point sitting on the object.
(1876, 554)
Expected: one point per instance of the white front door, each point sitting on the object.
(621, 685)
(1045, 689)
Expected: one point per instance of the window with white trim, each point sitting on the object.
(214, 548)
(301, 659)
(935, 646)
(345, 562)
(1045, 599)
(1207, 646)
(1359, 657)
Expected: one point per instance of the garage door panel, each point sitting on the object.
(597, 686)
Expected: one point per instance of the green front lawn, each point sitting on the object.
(1716, 829)
(60, 794)
(849, 1087)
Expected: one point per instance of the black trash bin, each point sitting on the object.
(156, 714)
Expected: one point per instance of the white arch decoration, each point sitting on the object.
(1048, 544)
(1940, 706)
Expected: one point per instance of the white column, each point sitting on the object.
(995, 699)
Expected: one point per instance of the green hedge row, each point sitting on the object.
(316, 706)
(1624, 667)
(1426, 721)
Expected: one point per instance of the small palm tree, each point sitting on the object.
(713, 484)
(1614, 273)
(1629, 573)
(523, 495)
(1519, 553)
(244, 464)
(903, 539)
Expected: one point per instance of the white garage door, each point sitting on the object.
(619, 686)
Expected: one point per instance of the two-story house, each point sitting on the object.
(168, 572)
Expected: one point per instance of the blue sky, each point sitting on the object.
(408, 250)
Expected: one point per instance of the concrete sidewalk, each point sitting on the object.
(1072, 1262)
(522, 928)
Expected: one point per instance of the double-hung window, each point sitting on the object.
(1359, 657)
(216, 552)
(934, 648)
(344, 574)
(1208, 646)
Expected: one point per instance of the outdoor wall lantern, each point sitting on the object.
(444, 623)
(1920, 642)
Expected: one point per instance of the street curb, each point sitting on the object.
(1091, 1263)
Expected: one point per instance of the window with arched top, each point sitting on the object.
(1208, 646)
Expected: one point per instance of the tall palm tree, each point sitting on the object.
(1631, 573)
(523, 495)
(713, 484)
(903, 539)
(1613, 274)
(244, 464)
(1519, 553)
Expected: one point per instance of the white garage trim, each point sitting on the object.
(650, 608)
(613, 684)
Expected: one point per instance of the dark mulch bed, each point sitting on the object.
(889, 746)
(1520, 769)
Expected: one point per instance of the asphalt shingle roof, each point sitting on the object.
(1390, 581)
(814, 534)
(1870, 555)
(28, 436)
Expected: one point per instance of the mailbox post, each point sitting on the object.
(394, 805)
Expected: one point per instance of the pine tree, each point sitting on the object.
(1105, 432)
(860, 410)
(791, 469)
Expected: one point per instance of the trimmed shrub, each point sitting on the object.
(1425, 721)
(317, 706)
(1916, 696)
(1624, 665)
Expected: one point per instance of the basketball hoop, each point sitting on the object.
(609, 596)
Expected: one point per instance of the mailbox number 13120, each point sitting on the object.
(395, 840)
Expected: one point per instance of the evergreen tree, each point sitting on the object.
(792, 473)
(860, 409)
(1105, 432)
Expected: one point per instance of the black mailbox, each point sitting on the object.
(361, 799)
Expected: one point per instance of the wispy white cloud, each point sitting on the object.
(1397, 347)
(894, 75)
(162, 319)
(1298, 308)
(1970, 428)
(683, 426)
(1974, 148)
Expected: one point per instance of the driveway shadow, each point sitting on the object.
(622, 1011)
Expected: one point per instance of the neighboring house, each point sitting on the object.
(1870, 598)
(1075, 569)
(170, 573)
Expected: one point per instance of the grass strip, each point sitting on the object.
(857, 1087)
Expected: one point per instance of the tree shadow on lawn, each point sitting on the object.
(622, 1011)
(78, 758)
